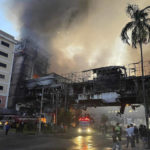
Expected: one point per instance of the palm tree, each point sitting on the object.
(139, 28)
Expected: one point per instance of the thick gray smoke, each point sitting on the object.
(42, 18)
(41, 21)
(78, 34)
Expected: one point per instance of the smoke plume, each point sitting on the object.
(78, 34)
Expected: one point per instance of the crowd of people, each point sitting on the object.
(18, 126)
(133, 136)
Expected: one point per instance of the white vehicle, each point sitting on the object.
(84, 125)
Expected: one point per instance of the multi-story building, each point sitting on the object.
(7, 47)
(29, 62)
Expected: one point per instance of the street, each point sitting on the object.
(51, 142)
(57, 142)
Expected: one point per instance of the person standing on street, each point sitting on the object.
(118, 131)
(141, 131)
(131, 130)
(136, 134)
(7, 127)
(115, 142)
(144, 134)
(128, 135)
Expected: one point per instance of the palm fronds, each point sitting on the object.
(131, 10)
(139, 26)
(124, 33)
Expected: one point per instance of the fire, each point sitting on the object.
(43, 120)
(35, 76)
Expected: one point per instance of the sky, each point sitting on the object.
(6, 24)
(77, 37)
(129, 116)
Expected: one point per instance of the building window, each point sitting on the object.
(2, 76)
(1, 88)
(5, 43)
(3, 65)
(3, 54)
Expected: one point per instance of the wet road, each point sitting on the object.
(51, 142)
(91, 142)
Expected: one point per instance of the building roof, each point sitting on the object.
(44, 81)
(105, 68)
(7, 37)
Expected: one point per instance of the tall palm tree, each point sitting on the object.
(139, 28)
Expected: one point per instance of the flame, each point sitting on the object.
(35, 76)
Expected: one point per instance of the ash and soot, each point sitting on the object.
(78, 34)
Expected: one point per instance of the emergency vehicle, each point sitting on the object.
(85, 125)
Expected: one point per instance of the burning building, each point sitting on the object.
(50, 89)
(106, 86)
(77, 38)
(29, 63)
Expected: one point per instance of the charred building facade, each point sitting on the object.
(51, 90)
(110, 86)
(106, 86)
(29, 62)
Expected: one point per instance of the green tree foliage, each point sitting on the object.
(139, 26)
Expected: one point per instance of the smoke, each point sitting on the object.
(78, 34)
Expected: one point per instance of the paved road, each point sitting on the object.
(51, 142)
(57, 142)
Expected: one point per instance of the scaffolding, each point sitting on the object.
(78, 77)
(133, 69)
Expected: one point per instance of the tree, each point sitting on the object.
(140, 34)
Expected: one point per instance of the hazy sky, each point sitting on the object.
(90, 40)
(129, 114)
(7, 24)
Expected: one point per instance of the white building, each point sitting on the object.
(7, 47)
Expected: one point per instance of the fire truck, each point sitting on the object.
(85, 125)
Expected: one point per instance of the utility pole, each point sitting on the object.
(41, 107)
(57, 97)
(144, 96)
(143, 88)
(65, 87)
(56, 106)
